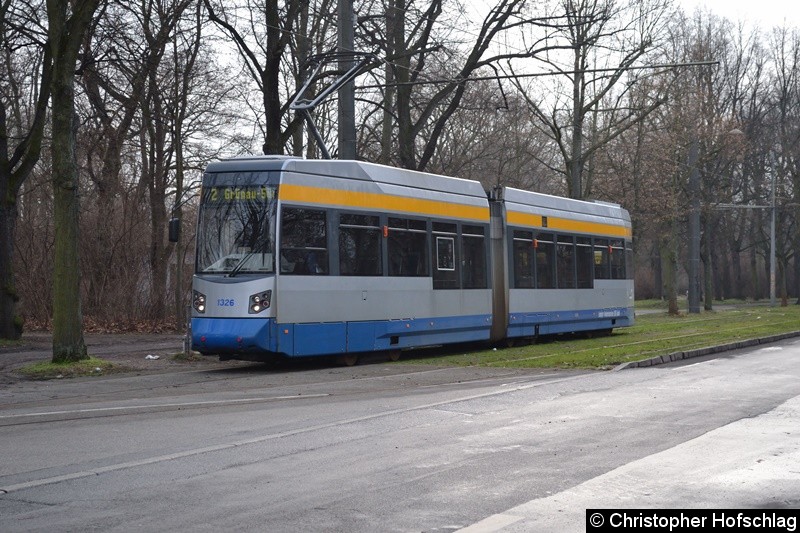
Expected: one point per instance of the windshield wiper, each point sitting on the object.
(260, 248)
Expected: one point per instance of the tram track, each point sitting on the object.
(200, 378)
(191, 452)
(205, 378)
(10, 414)
(104, 412)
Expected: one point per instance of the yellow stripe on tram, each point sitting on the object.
(384, 202)
(515, 218)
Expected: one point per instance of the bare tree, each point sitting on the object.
(641, 168)
(786, 112)
(262, 47)
(24, 92)
(180, 103)
(123, 62)
(68, 23)
(594, 44)
(415, 51)
(721, 110)
(491, 139)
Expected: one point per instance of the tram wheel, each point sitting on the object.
(394, 355)
(348, 360)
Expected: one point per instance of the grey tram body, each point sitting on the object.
(437, 266)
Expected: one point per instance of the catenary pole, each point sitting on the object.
(347, 99)
(694, 229)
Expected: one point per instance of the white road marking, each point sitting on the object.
(493, 523)
(163, 406)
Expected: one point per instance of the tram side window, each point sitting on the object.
(583, 257)
(523, 251)
(617, 259)
(304, 242)
(359, 245)
(565, 262)
(629, 260)
(601, 259)
(407, 246)
(445, 265)
(473, 244)
(545, 261)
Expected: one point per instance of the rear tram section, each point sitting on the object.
(304, 257)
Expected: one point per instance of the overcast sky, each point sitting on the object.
(766, 13)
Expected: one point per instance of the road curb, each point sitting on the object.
(688, 354)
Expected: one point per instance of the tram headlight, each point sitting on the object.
(199, 301)
(259, 302)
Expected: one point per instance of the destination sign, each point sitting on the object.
(238, 194)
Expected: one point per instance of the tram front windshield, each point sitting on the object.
(236, 231)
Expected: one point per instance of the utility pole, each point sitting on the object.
(772, 237)
(694, 229)
(347, 94)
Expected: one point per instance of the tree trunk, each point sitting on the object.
(271, 81)
(797, 274)
(65, 37)
(658, 274)
(178, 213)
(755, 279)
(16, 164)
(10, 323)
(708, 272)
(387, 121)
(796, 246)
(159, 253)
(783, 267)
(737, 288)
(10, 327)
(669, 270)
(154, 173)
(68, 343)
(402, 74)
(575, 165)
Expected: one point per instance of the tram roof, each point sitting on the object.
(559, 203)
(373, 172)
(353, 170)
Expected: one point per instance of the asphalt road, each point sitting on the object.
(388, 447)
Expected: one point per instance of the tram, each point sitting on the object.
(301, 258)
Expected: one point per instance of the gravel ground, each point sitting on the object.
(129, 350)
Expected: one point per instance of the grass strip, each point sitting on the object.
(87, 367)
(653, 335)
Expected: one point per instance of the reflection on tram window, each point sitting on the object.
(601, 260)
(565, 262)
(359, 245)
(473, 245)
(617, 259)
(628, 260)
(304, 244)
(236, 230)
(545, 261)
(523, 259)
(407, 245)
(446, 273)
(584, 258)
(445, 253)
